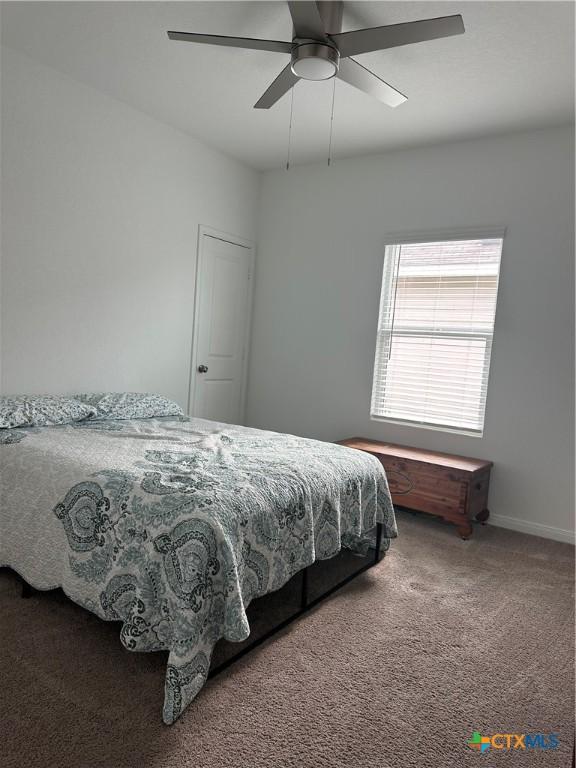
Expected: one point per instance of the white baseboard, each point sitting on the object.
(536, 529)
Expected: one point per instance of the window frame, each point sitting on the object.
(397, 240)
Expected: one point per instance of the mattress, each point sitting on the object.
(172, 526)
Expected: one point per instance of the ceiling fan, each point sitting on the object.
(320, 50)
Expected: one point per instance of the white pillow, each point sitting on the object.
(42, 410)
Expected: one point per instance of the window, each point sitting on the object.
(435, 333)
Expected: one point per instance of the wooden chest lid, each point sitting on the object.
(463, 463)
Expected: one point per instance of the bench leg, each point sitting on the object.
(483, 516)
(465, 529)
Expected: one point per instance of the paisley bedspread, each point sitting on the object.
(172, 526)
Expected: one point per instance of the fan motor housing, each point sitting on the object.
(313, 60)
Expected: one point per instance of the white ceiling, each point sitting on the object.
(513, 69)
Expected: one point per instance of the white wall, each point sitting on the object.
(100, 212)
(100, 209)
(321, 245)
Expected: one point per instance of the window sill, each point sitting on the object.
(423, 425)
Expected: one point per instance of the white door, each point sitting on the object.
(221, 326)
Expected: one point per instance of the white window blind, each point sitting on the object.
(435, 330)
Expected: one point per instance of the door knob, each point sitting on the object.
(202, 369)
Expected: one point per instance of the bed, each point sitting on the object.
(173, 525)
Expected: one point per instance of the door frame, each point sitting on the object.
(205, 231)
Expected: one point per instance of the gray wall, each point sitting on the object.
(100, 209)
(321, 245)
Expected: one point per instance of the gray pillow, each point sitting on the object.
(129, 405)
(41, 410)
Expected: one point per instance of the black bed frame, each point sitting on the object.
(373, 558)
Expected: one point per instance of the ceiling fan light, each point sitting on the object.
(315, 61)
(312, 68)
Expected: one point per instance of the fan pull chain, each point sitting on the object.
(331, 121)
(290, 127)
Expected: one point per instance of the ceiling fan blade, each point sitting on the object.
(306, 19)
(393, 35)
(285, 80)
(278, 46)
(355, 74)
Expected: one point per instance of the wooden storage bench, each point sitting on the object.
(452, 487)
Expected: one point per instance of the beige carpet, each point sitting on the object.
(442, 638)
